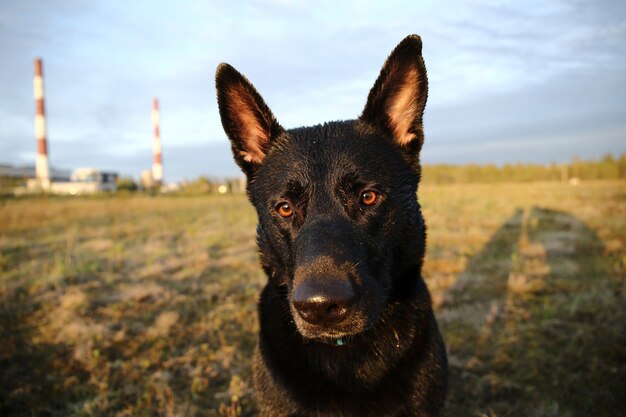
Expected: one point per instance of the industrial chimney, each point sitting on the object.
(157, 162)
(42, 167)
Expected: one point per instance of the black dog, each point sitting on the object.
(347, 327)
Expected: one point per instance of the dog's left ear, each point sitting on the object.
(395, 104)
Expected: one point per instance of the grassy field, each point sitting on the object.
(141, 306)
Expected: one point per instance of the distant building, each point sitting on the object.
(82, 181)
(170, 187)
(147, 180)
(28, 171)
(105, 180)
(237, 185)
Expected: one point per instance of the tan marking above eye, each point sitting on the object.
(369, 198)
(284, 209)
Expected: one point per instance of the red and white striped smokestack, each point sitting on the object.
(42, 167)
(157, 162)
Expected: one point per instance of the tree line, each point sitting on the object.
(606, 168)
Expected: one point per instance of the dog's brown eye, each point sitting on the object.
(369, 198)
(285, 210)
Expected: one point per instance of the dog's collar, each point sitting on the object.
(339, 342)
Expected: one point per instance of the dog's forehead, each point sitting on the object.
(325, 152)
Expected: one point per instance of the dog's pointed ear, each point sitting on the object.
(248, 122)
(395, 104)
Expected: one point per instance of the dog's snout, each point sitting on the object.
(323, 303)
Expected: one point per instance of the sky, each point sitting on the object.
(509, 81)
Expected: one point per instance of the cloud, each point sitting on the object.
(502, 73)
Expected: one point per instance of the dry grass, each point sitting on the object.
(143, 306)
(529, 284)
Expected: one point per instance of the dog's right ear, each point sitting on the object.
(248, 122)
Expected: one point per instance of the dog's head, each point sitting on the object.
(339, 224)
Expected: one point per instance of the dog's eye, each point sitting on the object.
(284, 209)
(369, 198)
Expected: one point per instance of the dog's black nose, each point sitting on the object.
(323, 303)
